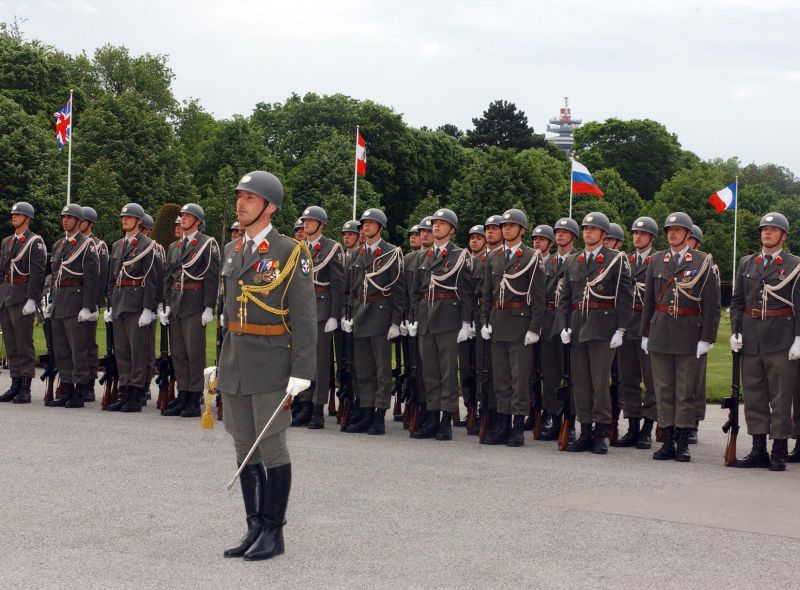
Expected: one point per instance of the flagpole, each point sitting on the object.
(735, 215)
(570, 187)
(69, 148)
(355, 176)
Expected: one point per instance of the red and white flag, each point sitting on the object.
(361, 154)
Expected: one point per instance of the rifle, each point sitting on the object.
(731, 403)
(166, 373)
(110, 378)
(536, 390)
(486, 378)
(49, 359)
(564, 393)
(614, 392)
(471, 390)
(411, 393)
(399, 376)
(332, 385)
(346, 393)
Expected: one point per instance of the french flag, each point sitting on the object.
(582, 181)
(724, 199)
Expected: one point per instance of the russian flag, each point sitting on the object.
(724, 199)
(582, 181)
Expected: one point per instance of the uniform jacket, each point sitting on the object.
(589, 324)
(670, 334)
(756, 289)
(554, 278)
(408, 269)
(385, 303)
(77, 266)
(32, 256)
(478, 271)
(249, 363)
(196, 265)
(638, 276)
(103, 258)
(122, 267)
(329, 280)
(510, 324)
(442, 315)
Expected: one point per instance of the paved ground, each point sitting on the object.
(98, 500)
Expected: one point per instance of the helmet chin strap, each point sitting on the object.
(264, 208)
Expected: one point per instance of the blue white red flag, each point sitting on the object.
(64, 125)
(724, 199)
(582, 181)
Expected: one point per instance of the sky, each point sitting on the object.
(724, 75)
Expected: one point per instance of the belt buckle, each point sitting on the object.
(580, 305)
(755, 313)
(671, 309)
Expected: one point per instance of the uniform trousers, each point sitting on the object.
(439, 371)
(590, 365)
(769, 381)
(511, 366)
(552, 356)
(187, 339)
(130, 347)
(373, 360)
(675, 378)
(70, 343)
(635, 369)
(245, 418)
(18, 340)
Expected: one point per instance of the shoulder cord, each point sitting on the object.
(125, 264)
(70, 260)
(685, 288)
(506, 284)
(439, 280)
(588, 290)
(186, 265)
(336, 248)
(772, 290)
(560, 283)
(394, 256)
(26, 249)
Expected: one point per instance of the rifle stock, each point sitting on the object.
(565, 395)
(110, 378)
(731, 426)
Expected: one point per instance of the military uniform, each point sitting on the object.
(100, 301)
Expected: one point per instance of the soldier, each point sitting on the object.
(615, 237)
(594, 308)
(377, 299)
(23, 258)
(88, 223)
(679, 313)
(413, 238)
(299, 234)
(511, 316)
(268, 290)
(73, 307)
(442, 302)
(178, 229)
(329, 285)
(350, 231)
(494, 241)
(132, 283)
(767, 333)
(634, 364)
(191, 287)
(235, 231)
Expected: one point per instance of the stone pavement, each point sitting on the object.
(98, 500)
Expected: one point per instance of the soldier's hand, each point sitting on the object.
(146, 318)
(404, 328)
(616, 339)
(208, 316)
(94, 315)
(645, 340)
(297, 385)
(794, 351)
(331, 325)
(472, 332)
(736, 342)
(163, 315)
(566, 335)
(347, 325)
(702, 348)
(531, 338)
(412, 329)
(463, 333)
(48, 311)
(394, 332)
(84, 315)
(486, 332)
(108, 316)
(29, 307)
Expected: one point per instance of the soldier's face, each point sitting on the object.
(426, 238)
(299, 234)
(179, 231)
(311, 227)
(677, 237)
(541, 244)
(69, 223)
(128, 223)
(642, 239)
(493, 235)
(413, 240)
(771, 236)
(349, 239)
(250, 207)
(18, 220)
(612, 243)
(476, 243)
(85, 226)
(564, 237)
(235, 234)
(441, 229)
(189, 222)
(145, 231)
(370, 228)
(693, 243)
(511, 232)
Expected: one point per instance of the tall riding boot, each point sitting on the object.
(517, 437)
(600, 439)
(378, 425)
(78, 394)
(192, 407)
(502, 433)
(363, 422)
(253, 480)
(631, 437)
(270, 542)
(794, 456)
(645, 440)
(303, 415)
(24, 394)
(122, 399)
(317, 417)
(429, 427)
(175, 407)
(758, 456)
(67, 389)
(584, 441)
(134, 403)
(11, 392)
(777, 460)
(445, 430)
(682, 454)
(667, 450)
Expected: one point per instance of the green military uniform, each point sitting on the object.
(100, 301)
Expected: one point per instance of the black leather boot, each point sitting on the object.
(600, 439)
(303, 415)
(175, 407)
(502, 432)
(645, 440)
(134, 401)
(693, 433)
(67, 389)
(530, 421)
(667, 450)
(429, 427)
(682, 454)
(24, 394)
(11, 392)
(122, 399)
(77, 397)
(88, 392)
(270, 542)
(445, 430)
(552, 429)
(253, 480)
(794, 456)
(363, 422)
(517, 437)
(584, 441)
(192, 407)
(758, 456)
(777, 460)
(378, 425)
(631, 437)
(317, 417)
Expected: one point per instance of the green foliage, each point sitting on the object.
(164, 224)
(503, 125)
(99, 188)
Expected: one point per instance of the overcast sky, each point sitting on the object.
(724, 75)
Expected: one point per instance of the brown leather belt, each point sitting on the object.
(550, 305)
(187, 286)
(637, 307)
(130, 283)
(258, 329)
(323, 289)
(449, 295)
(781, 312)
(16, 280)
(594, 305)
(372, 298)
(69, 283)
(672, 310)
(510, 304)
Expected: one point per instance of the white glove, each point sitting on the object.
(702, 348)
(146, 318)
(616, 339)
(331, 325)
(412, 329)
(29, 307)
(297, 385)
(463, 333)
(486, 332)
(163, 316)
(472, 332)
(394, 332)
(794, 351)
(566, 335)
(736, 342)
(160, 309)
(207, 317)
(48, 311)
(347, 325)
(404, 328)
(531, 338)
(107, 316)
(84, 315)
(94, 315)
(645, 340)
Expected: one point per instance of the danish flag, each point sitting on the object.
(64, 125)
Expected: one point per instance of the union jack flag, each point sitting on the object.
(64, 125)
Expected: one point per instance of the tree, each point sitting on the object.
(451, 130)
(622, 196)
(147, 74)
(503, 125)
(164, 225)
(99, 188)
